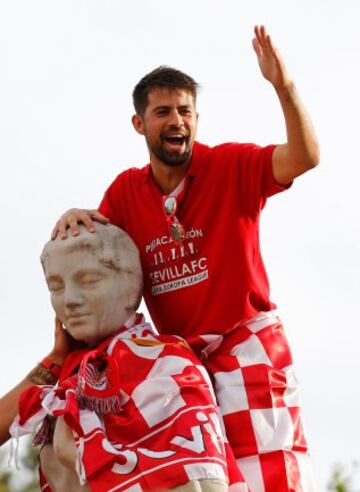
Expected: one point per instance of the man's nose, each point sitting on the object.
(175, 118)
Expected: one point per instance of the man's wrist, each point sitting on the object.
(286, 89)
(46, 372)
(51, 366)
(56, 358)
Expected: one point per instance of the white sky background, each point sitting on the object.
(67, 69)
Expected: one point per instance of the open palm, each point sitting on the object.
(270, 61)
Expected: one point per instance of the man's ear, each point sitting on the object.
(138, 124)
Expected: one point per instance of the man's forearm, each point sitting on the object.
(9, 402)
(301, 151)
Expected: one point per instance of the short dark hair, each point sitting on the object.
(162, 76)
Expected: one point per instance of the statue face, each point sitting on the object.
(91, 299)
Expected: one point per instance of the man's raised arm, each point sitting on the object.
(301, 151)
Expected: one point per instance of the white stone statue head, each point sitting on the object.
(95, 281)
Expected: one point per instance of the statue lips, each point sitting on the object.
(77, 318)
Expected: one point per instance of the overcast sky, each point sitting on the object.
(67, 69)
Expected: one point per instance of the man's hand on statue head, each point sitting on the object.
(64, 343)
(71, 218)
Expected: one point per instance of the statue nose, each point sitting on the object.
(73, 296)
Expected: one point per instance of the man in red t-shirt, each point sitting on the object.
(193, 212)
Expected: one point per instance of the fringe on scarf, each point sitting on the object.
(46, 432)
(14, 452)
(102, 406)
(79, 465)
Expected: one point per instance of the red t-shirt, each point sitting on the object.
(216, 277)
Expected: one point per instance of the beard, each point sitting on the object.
(169, 158)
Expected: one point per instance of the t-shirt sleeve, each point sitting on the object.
(254, 174)
(110, 205)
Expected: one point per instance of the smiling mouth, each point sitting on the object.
(176, 141)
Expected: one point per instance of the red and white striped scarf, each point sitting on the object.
(142, 411)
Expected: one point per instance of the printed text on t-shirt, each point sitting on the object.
(176, 266)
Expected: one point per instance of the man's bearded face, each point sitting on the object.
(169, 125)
